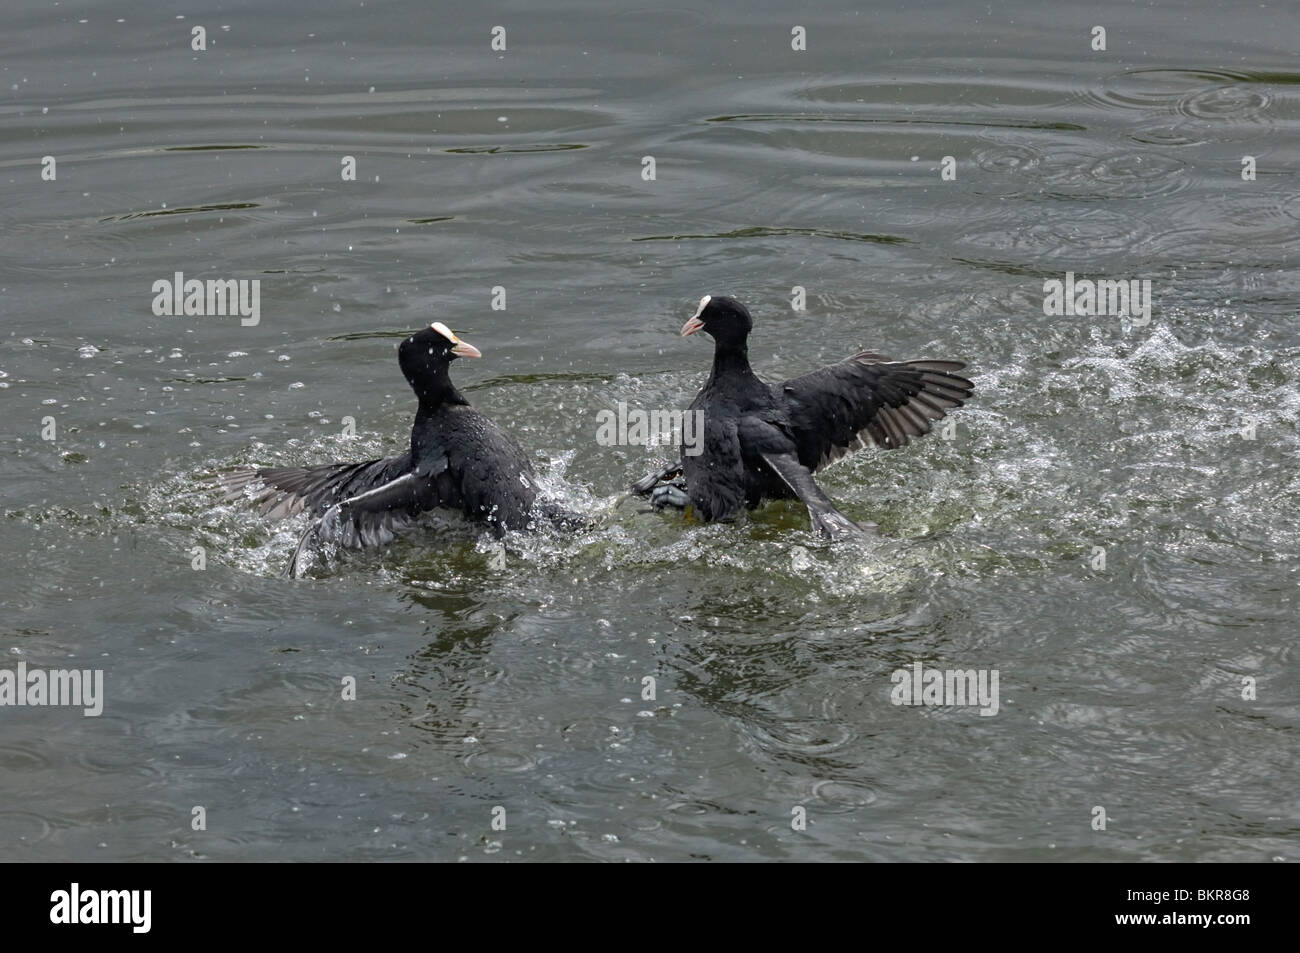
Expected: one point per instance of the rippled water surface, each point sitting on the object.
(522, 687)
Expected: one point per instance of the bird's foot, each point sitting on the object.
(645, 485)
(669, 494)
(835, 525)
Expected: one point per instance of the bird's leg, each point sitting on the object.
(386, 498)
(825, 516)
(331, 518)
(669, 494)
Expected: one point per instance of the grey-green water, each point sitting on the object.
(521, 687)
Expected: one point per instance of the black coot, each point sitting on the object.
(458, 460)
(763, 441)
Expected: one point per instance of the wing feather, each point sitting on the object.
(281, 492)
(869, 398)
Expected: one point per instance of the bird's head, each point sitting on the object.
(426, 353)
(724, 319)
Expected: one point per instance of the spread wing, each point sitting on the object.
(367, 519)
(869, 397)
(280, 492)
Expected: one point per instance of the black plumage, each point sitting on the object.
(458, 460)
(765, 441)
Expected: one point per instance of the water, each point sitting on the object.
(521, 687)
